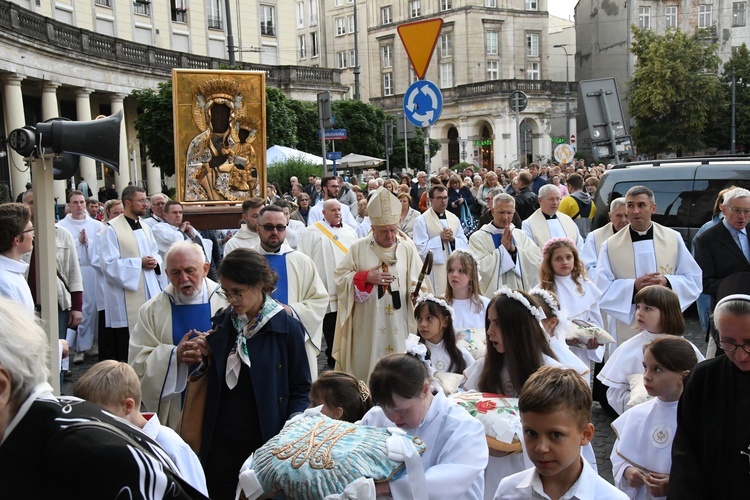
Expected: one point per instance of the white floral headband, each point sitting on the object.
(419, 351)
(425, 297)
(547, 297)
(518, 297)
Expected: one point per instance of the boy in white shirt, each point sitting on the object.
(114, 386)
(555, 406)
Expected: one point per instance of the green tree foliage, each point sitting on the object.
(281, 172)
(281, 122)
(719, 129)
(674, 90)
(154, 125)
(364, 128)
(307, 125)
(416, 151)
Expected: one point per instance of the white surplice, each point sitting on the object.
(581, 305)
(126, 274)
(441, 250)
(644, 441)
(625, 361)
(152, 352)
(244, 238)
(497, 267)
(592, 246)
(456, 453)
(540, 229)
(466, 314)
(316, 214)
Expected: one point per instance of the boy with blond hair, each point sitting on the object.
(114, 386)
(555, 407)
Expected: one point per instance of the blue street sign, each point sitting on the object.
(423, 103)
(333, 155)
(334, 134)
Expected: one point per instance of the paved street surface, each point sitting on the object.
(604, 437)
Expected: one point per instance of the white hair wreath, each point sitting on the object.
(473, 257)
(546, 296)
(424, 297)
(518, 297)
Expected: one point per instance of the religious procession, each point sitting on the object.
(431, 337)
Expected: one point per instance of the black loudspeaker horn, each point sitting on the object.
(97, 139)
(64, 165)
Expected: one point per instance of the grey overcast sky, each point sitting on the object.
(561, 8)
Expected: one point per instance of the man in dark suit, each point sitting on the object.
(724, 249)
(418, 188)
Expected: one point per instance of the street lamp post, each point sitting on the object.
(567, 93)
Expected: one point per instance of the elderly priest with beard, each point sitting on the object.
(162, 344)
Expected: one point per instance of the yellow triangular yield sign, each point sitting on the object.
(419, 40)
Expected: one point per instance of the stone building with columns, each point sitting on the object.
(485, 51)
(79, 59)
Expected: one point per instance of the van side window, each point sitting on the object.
(673, 200)
(708, 191)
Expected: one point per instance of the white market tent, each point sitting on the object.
(353, 160)
(276, 154)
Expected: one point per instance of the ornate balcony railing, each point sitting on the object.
(17, 24)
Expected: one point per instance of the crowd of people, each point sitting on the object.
(419, 289)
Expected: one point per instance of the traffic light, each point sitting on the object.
(324, 109)
(388, 132)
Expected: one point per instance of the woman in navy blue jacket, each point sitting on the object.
(458, 195)
(258, 374)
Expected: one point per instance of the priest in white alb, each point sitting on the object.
(644, 253)
(376, 282)
(299, 289)
(162, 344)
(130, 261)
(618, 219)
(327, 242)
(506, 255)
(546, 222)
(440, 231)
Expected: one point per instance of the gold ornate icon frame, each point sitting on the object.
(219, 135)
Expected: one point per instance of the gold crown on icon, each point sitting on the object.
(219, 88)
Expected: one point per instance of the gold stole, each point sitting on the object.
(540, 229)
(434, 227)
(622, 257)
(331, 237)
(128, 243)
(601, 235)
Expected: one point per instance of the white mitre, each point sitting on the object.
(384, 209)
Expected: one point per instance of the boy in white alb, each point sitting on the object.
(114, 386)
(555, 406)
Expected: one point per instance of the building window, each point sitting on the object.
(644, 17)
(493, 70)
(446, 45)
(491, 45)
(341, 58)
(350, 24)
(314, 44)
(214, 15)
(415, 8)
(532, 4)
(533, 73)
(179, 11)
(532, 44)
(300, 15)
(103, 3)
(738, 14)
(385, 15)
(268, 20)
(387, 84)
(301, 47)
(412, 75)
(446, 5)
(313, 12)
(705, 16)
(670, 16)
(386, 56)
(490, 3)
(143, 9)
(340, 27)
(338, 3)
(352, 59)
(446, 75)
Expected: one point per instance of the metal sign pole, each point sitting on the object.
(406, 144)
(518, 137)
(323, 145)
(426, 132)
